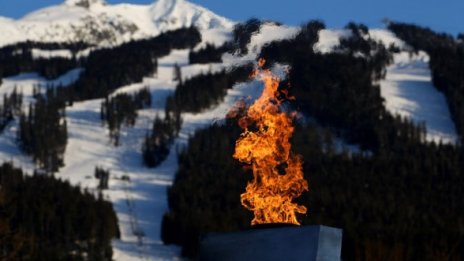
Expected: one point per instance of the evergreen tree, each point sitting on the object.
(43, 132)
(76, 227)
(177, 74)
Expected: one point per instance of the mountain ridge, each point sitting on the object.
(97, 23)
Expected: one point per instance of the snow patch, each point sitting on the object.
(329, 39)
(408, 91)
(386, 37)
(47, 54)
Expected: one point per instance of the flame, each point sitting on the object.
(264, 144)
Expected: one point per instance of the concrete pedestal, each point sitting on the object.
(309, 243)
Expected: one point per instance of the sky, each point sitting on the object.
(444, 16)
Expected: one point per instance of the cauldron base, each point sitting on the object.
(274, 242)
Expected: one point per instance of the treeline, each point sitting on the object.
(446, 63)
(403, 206)
(21, 61)
(398, 202)
(104, 70)
(18, 58)
(337, 89)
(121, 109)
(209, 54)
(108, 69)
(42, 131)
(205, 90)
(157, 143)
(10, 108)
(193, 95)
(42, 218)
(206, 169)
(242, 34)
(74, 47)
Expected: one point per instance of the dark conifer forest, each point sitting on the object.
(121, 110)
(43, 131)
(108, 69)
(42, 218)
(209, 54)
(399, 198)
(10, 108)
(18, 58)
(206, 90)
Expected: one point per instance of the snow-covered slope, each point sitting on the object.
(409, 92)
(329, 39)
(140, 197)
(96, 22)
(140, 201)
(407, 89)
(10, 32)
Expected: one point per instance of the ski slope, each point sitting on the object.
(139, 193)
(25, 83)
(408, 91)
(141, 203)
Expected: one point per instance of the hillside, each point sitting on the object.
(373, 126)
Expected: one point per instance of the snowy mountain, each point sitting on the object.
(98, 23)
(139, 198)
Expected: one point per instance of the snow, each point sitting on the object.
(408, 91)
(215, 36)
(268, 33)
(167, 13)
(10, 32)
(105, 25)
(387, 38)
(24, 83)
(47, 54)
(329, 39)
(141, 201)
(90, 2)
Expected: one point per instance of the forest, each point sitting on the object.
(78, 226)
(43, 131)
(42, 128)
(18, 58)
(398, 198)
(105, 69)
(111, 68)
(121, 110)
(242, 33)
(190, 96)
(10, 108)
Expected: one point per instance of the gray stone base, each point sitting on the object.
(307, 243)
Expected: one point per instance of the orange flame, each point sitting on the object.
(278, 175)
